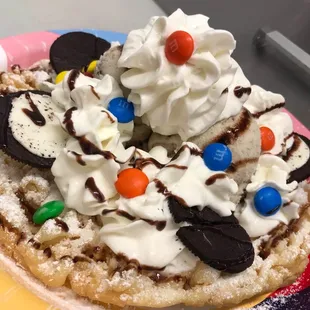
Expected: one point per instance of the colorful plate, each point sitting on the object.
(29, 48)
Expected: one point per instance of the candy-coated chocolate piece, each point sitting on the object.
(92, 66)
(179, 47)
(48, 211)
(267, 201)
(122, 109)
(268, 139)
(60, 76)
(131, 183)
(217, 156)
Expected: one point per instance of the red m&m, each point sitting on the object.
(179, 47)
(267, 138)
(131, 183)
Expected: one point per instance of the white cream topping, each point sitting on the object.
(261, 101)
(159, 246)
(95, 92)
(186, 99)
(44, 141)
(74, 168)
(271, 171)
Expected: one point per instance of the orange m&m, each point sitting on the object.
(267, 138)
(131, 183)
(179, 47)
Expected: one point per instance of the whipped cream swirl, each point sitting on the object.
(98, 92)
(266, 106)
(87, 168)
(148, 216)
(271, 171)
(187, 99)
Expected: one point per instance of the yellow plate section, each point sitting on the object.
(14, 296)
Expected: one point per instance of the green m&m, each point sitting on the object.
(48, 211)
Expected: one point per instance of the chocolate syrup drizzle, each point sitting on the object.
(34, 114)
(293, 149)
(176, 167)
(141, 163)
(109, 116)
(91, 185)
(277, 106)
(94, 92)
(214, 178)
(74, 74)
(78, 158)
(234, 166)
(60, 223)
(68, 121)
(239, 91)
(232, 133)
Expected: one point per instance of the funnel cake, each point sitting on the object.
(212, 209)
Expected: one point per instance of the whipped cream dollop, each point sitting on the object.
(98, 92)
(190, 98)
(34, 125)
(148, 216)
(87, 168)
(266, 106)
(271, 171)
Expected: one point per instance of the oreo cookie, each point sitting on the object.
(303, 172)
(76, 50)
(181, 213)
(9, 144)
(225, 247)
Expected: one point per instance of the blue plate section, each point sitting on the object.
(107, 35)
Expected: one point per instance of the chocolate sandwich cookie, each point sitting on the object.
(225, 247)
(29, 130)
(192, 215)
(76, 50)
(296, 153)
(218, 241)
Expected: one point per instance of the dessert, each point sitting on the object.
(156, 176)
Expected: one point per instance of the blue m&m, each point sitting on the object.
(122, 109)
(267, 201)
(217, 156)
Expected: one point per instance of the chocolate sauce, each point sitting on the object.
(35, 244)
(60, 223)
(94, 92)
(74, 74)
(14, 67)
(160, 225)
(289, 136)
(21, 238)
(125, 214)
(105, 212)
(78, 158)
(293, 149)
(81, 259)
(161, 188)
(91, 185)
(239, 91)
(177, 167)
(234, 166)
(193, 151)
(34, 114)
(90, 148)
(141, 163)
(225, 91)
(215, 177)
(68, 121)
(48, 252)
(277, 106)
(234, 132)
(287, 204)
(109, 116)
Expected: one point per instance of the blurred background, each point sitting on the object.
(269, 67)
